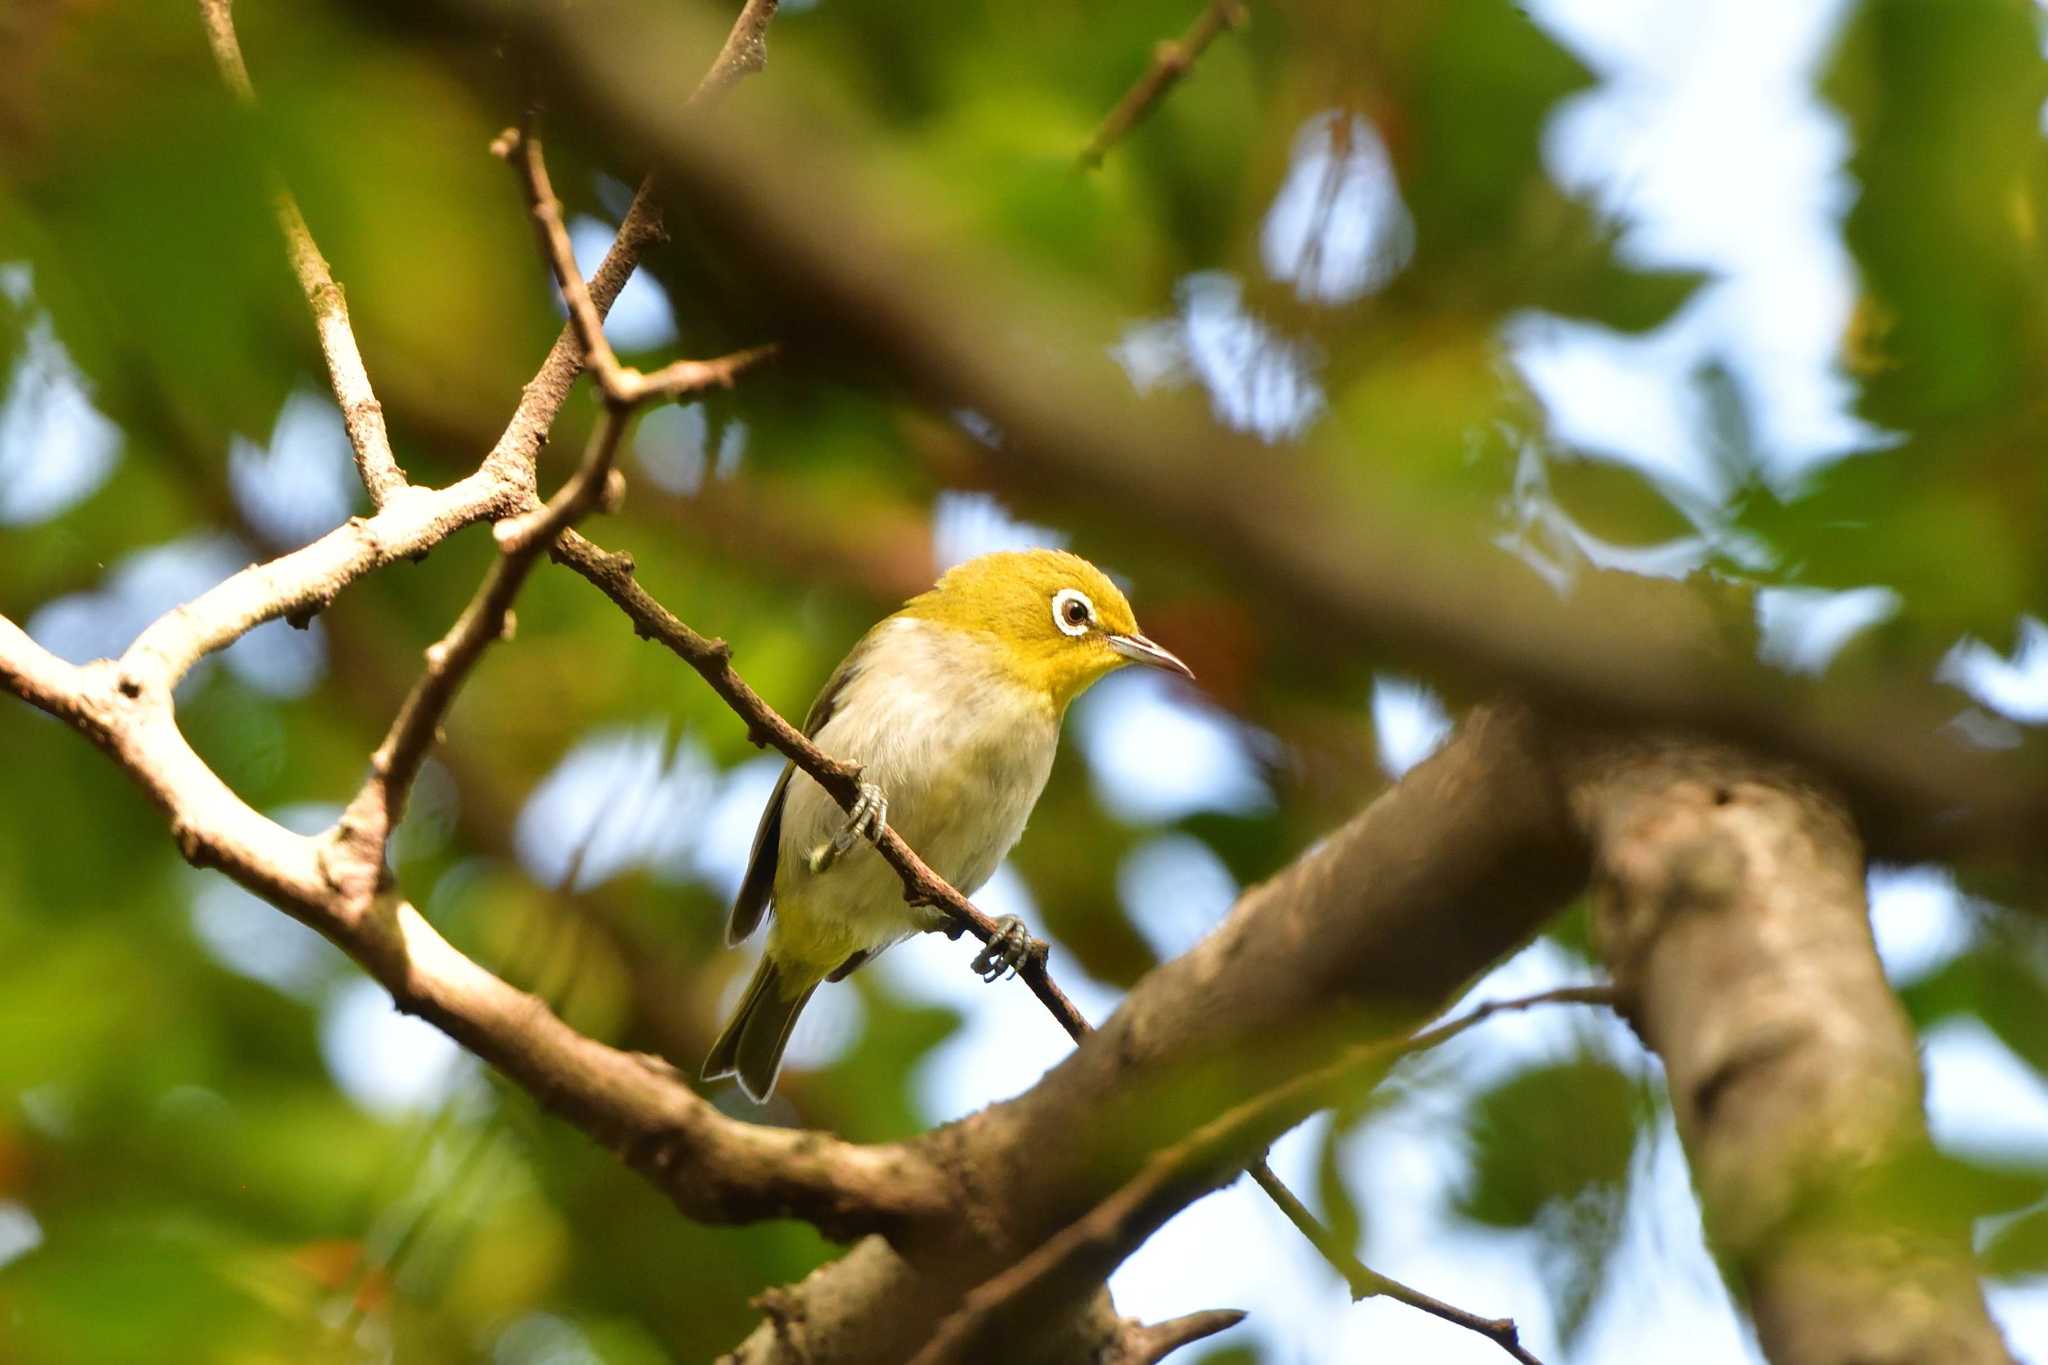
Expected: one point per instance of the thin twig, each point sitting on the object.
(523, 149)
(1366, 1283)
(518, 447)
(1171, 61)
(620, 383)
(378, 807)
(1092, 1245)
(361, 413)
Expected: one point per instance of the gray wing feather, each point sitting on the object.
(757, 889)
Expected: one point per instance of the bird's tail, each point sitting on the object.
(751, 1045)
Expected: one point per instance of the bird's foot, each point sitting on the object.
(1007, 952)
(868, 818)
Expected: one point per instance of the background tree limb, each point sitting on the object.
(1618, 649)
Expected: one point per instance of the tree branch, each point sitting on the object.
(1729, 903)
(1162, 1339)
(620, 384)
(743, 53)
(361, 413)
(1088, 1249)
(715, 1168)
(380, 804)
(304, 582)
(1171, 62)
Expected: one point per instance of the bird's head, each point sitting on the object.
(1053, 620)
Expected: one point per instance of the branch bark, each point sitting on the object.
(1730, 906)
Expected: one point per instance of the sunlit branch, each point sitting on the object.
(1086, 1250)
(301, 584)
(361, 413)
(1171, 61)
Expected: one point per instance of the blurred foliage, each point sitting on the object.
(173, 1118)
(1552, 1148)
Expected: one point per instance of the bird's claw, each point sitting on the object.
(866, 820)
(1006, 952)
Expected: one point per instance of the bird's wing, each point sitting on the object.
(750, 907)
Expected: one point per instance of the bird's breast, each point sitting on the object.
(962, 753)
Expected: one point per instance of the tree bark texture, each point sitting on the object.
(1730, 906)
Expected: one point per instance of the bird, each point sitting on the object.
(952, 706)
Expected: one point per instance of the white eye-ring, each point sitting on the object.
(1072, 612)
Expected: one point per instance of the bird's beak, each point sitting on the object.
(1140, 650)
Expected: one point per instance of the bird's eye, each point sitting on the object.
(1072, 612)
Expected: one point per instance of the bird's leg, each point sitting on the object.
(1005, 953)
(867, 819)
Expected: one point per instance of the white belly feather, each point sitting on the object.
(961, 764)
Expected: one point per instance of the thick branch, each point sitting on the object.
(1730, 905)
(361, 413)
(1170, 63)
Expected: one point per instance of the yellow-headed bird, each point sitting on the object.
(953, 707)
